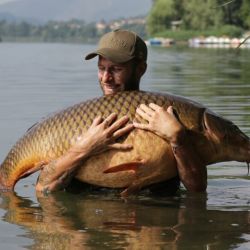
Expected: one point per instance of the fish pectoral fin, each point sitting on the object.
(130, 166)
(36, 168)
(216, 126)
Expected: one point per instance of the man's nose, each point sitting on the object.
(107, 75)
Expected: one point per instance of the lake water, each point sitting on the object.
(38, 79)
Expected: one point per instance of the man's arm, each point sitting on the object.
(100, 136)
(192, 171)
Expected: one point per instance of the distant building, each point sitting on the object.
(101, 26)
(175, 25)
(116, 24)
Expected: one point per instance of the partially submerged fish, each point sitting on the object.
(150, 161)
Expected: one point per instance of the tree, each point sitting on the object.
(202, 15)
(206, 15)
(23, 29)
(232, 13)
(162, 14)
(244, 13)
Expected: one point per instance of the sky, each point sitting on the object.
(94, 10)
(6, 1)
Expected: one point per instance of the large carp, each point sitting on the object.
(150, 161)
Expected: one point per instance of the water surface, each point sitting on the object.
(38, 79)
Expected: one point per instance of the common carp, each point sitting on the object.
(150, 161)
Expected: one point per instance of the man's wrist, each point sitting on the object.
(180, 139)
(77, 153)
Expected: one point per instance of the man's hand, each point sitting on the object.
(192, 171)
(161, 122)
(100, 136)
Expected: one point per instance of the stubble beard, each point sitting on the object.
(131, 84)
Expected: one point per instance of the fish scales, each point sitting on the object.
(54, 135)
(57, 131)
(60, 131)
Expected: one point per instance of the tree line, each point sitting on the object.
(51, 31)
(206, 15)
(66, 31)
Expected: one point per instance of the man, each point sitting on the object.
(122, 61)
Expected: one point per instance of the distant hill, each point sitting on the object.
(94, 10)
(11, 18)
(7, 17)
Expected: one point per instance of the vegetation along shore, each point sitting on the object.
(171, 20)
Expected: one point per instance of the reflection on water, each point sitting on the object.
(37, 79)
(66, 221)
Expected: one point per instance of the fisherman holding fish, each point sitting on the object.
(122, 61)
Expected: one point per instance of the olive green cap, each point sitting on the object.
(120, 46)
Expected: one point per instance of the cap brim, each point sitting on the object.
(110, 54)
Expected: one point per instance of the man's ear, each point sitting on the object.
(141, 69)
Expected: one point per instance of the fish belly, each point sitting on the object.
(150, 161)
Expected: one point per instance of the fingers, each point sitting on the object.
(120, 146)
(96, 121)
(155, 107)
(148, 111)
(144, 111)
(141, 125)
(118, 124)
(170, 110)
(109, 120)
(173, 113)
(113, 128)
(122, 131)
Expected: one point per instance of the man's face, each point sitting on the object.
(115, 77)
